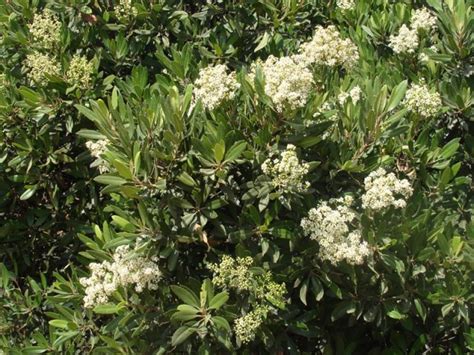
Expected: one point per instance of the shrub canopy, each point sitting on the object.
(272, 176)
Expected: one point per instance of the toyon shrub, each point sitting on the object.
(225, 177)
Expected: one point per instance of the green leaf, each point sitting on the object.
(107, 308)
(185, 295)
(342, 309)
(396, 314)
(28, 193)
(218, 300)
(59, 323)
(181, 334)
(110, 180)
(235, 151)
(90, 134)
(449, 149)
(397, 95)
(187, 179)
(219, 150)
(263, 42)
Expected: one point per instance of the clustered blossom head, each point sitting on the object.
(405, 42)
(237, 274)
(407, 39)
(287, 82)
(355, 94)
(214, 86)
(246, 326)
(125, 10)
(423, 19)
(330, 224)
(233, 273)
(328, 48)
(46, 29)
(39, 65)
(286, 171)
(97, 149)
(346, 4)
(123, 271)
(383, 190)
(80, 71)
(420, 100)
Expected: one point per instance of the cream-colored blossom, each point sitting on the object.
(80, 71)
(237, 274)
(125, 270)
(423, 19)
(384, 190)
(327, 47)
(331, 224)
(419, 99)
(39, 65)
(45, 29)
(233, 273)
(406, 41)
(215, 86)
(286, 171)
(346, 4)
(245, 327)
(287, 82)
(125, 10)
(355, 94)
(97, 149)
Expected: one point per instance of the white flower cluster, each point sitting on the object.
(286, 171)
(123, 271)
(287, 82)
(420, 100)
(423, 19)
(355, 94)
(346, 4)
(330, 225)
(46, 29)
(80, 71)
(124, 10)
(215, 86)
(383, 190)
(327, 47)
(406, 41)
(233, 273)
(39, 65)
(97, 149)
(246, 326)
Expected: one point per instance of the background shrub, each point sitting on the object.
(193, 177)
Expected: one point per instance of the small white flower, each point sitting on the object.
(79, 71)
(287, 82)
(354, 94)
(346, 4)
(327, 47)
(124, 10)
(123, 271)
(214, 86)
(45, 29)
(420, 100)
(39, 65)
(286, 171)
(383, 190)
(423, 19)
(405, 42)
(331, 225)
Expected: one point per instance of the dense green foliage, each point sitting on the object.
(185, 187)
